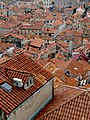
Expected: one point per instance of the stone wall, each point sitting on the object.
(32, 105)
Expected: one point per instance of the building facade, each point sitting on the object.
(65, 3)
(47, 3)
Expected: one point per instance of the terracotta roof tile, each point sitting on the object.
(17, 74)
(57, 82)
(60, 56)
(9, 24)
(36, 42)
(85, 64)
(87, 86)
(68, 104)
(86, 20)
(63, 44)
(11, 100)
(49, 30)
(66, 80)
(50, 67)
(34, 26)
(4, 46)
(42, 62)
(75, 68)
(77, 108)
(57, 23)
(17, 36)
(49, 17)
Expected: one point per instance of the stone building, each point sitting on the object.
(25, 88)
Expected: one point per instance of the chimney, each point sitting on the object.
(70, 48)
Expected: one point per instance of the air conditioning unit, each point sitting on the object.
(9, 51)
(17, 82)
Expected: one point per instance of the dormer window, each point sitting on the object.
(30, 80)
(28, 83)
(67, 73)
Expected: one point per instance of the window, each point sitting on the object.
(30, 80)
(12, 37)
(6, 87)
(67, 73)
(27, 84)
(49, 34)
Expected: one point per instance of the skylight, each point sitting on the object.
(6, 87)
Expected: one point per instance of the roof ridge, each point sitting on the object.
(20, 71)
(11, 58)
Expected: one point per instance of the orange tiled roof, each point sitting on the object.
(68, 31)
(11, 100)
(4, 46)
(75, 68)
(87, 86)
(57, 82)
(57, 22)
(50, 66)
(17, 36)
(42, 62)
(3, 59)
(9, 24)
(49, 17)
(14, 73)
(60, 56)
(86, 20)
(66, 80)
(36, 42)
(68, 104)
(85, 64)
(77, 108)
(63, 44)
(34, 26)
(49, 30)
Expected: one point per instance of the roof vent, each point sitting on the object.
(75, 68)
(17, 82)
(7, 87)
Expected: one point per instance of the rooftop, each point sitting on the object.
(68, 103)
(36, 42)
(20, 66)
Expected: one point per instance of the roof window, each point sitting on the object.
(6, 87)
(28, 83)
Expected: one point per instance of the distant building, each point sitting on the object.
(2, 5)
(15, 39)
(32, 28)
(47, 3)
(65, 3)
(24, 2)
